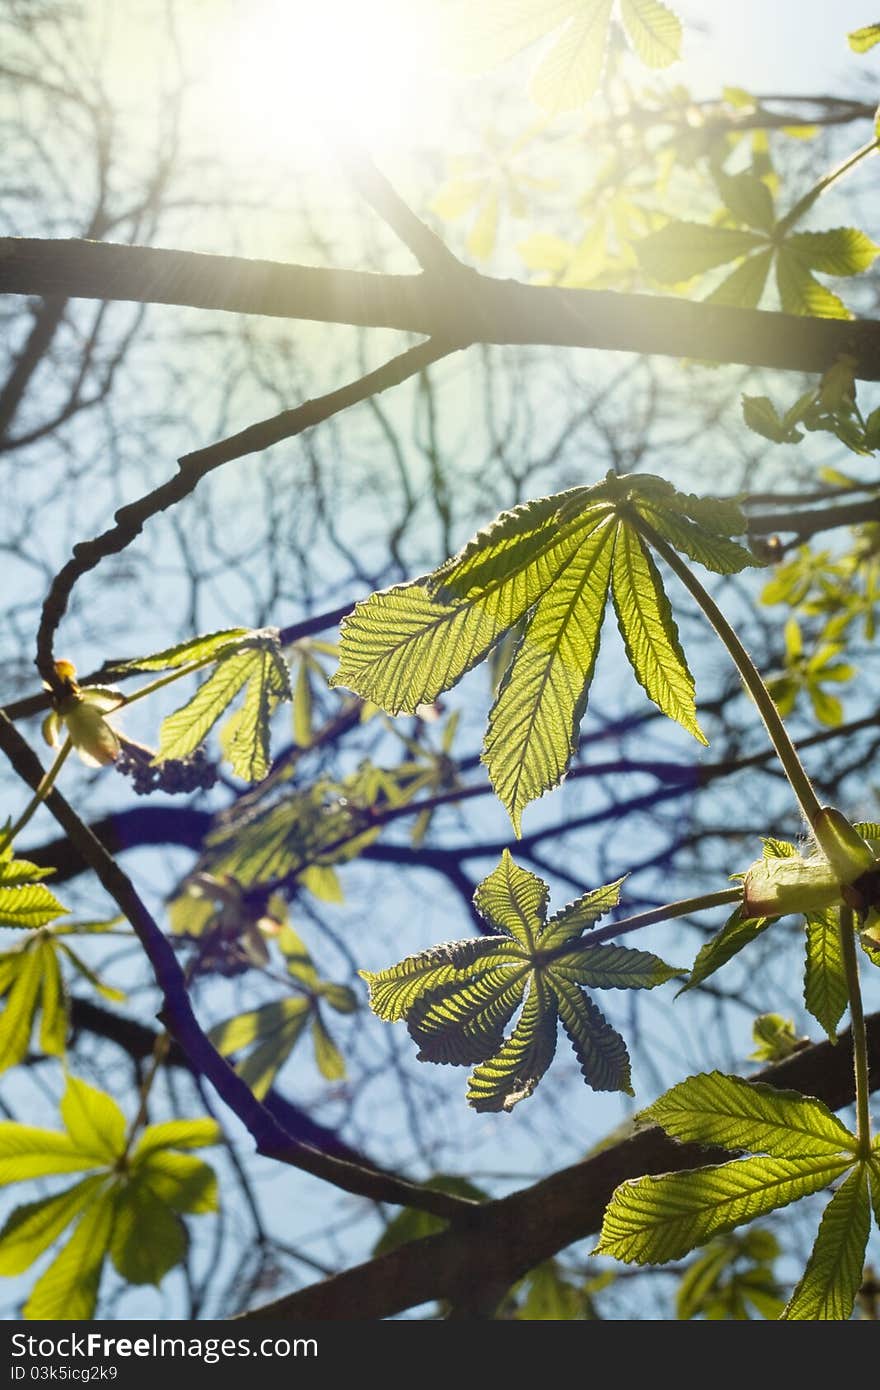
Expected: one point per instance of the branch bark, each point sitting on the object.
(499, 1241)
(479, 309)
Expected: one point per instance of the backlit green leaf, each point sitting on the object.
(28, 1152)
(736, 933)
(512, 1074)
(726, 1110)
(649, 632)
(148, 1237)
(394, 991)
(860, 40)
(569, 73)
(655, 1219)
(464, 1022)
(68, 1289)
(210, 644)
(839, 251)
(32, 1228)
(260, 667)
(760, 415)
(177, 1134)
(93, 1120)
(514, 900)
(184, 1182)
(831, 1280)
(599, 1048)
(614, 967)
(744, 286)
(546, 565)
(654, 30)
(17, 1019)
(275, 1029)
(801, 293)
(328, 1059)
(534, 723)
(584, 912)
(825, 989)
(749, 200)
(30, 905)
(681, 250)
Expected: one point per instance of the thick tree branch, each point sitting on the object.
(503, 1239)
(483, 310)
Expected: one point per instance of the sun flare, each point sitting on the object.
(282, 71)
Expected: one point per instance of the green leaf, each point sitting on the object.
(32, 1228)
(534, 722)
(177, 1134)
(323, 883)
(411, 1224)
(831, 1280)
(148, 1237)
(328, 1059)
(210, 644)
(15, 873)
(653, 30)
(681, 250)
(181, 1180)
(547, 562)
(759, 414)
(275, 1029)
(599, 1048)
(825, 989)
(736, 933)
(68, 1289)
(27, 1152)
(744, 286)
(394, 991)
(569, 74)
(655, 1219)
(79, 965)
(513, 1073)
(801, 293)
(457, 999)
(268, 685)
(54, 1022)
(649, 632)
(260, 667)
(614, 967)
(736, 1114)
(513, 900)
(860, 40)
(840, 251)
(748, 199)
(718, 554)
(93, 1120)
(17, 1019)
(584, 912)
(464, 1022)
(401, 647)
(30, 905)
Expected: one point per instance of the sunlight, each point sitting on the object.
(281, 71)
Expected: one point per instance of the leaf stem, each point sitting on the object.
(803, 205)
(859, 1034)
(666, 913)
(172, 676)
(751, 677)
(41, 792)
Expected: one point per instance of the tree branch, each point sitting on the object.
(130, 520)
(502, 1240)
(178, 1017)
(484, 310)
